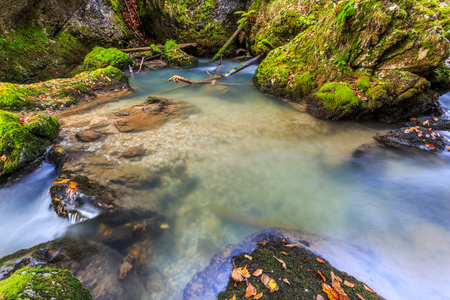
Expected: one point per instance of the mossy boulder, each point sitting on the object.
(60, 93)
(24, 138)
(100, 57)
(363, 44)
(209, 23)
(40, 40)
(174, 56)
(43, 283)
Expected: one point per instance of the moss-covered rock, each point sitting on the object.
(174, 56)
(40, 40)
(23, 139)
(207, 22)
(362, 44)
(59, 93)
(100, 57)
(302, 274)
(43, 283)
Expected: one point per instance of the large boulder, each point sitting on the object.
(42, 39)
(362, 60)
(207, 22)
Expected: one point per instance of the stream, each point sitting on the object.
(256, 155)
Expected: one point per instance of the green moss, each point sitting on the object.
(176, 57)
(337, 95)
(43, 283)
(303, 85)
(155, 50)
(59, 93)
(364, 83)
(20, 142)
(100, 57)
(28, 54)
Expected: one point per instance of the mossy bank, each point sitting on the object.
(378, 55)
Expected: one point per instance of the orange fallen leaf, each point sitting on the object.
(331, 293)
(257, 272)
(269, 283)
(426, 122)
(349, 284)
(369, 289)
(360, 297)
(3, 157)
(283, 264)
(430, 146)
(335, 284)
(321, 276)
(286, 281)
(56, 199)
(319, 297)
(285, 253)
(73, 184)
(263, 242)
(250, 291)
(319, 260)
(245, 272)
(61, 181)
(258, 296)
(284, 241)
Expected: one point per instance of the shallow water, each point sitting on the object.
(256, 155)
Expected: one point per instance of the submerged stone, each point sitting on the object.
(417, 137)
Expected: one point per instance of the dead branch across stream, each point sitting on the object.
(233, 71)
(182, 46)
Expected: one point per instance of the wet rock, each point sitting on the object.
(150, 115)
(89, 135)
(214, 278)
(416, 137)
(133, 152)
(434, 123)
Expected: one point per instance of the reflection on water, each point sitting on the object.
(25, 216)
(257, 156)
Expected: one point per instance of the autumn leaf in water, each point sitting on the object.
(3, 157)
(258, 296)
(257, 272)
(321, 276)
(369, 289)
(319, 260)
(349, 284)
(250, 291)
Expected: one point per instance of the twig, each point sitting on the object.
(142, 61)
(208, 73)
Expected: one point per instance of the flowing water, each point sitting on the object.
(257, 156)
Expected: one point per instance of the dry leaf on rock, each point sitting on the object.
(257, 272)
(263, 242)
(349, 284)
(319, 260)
(3, 157)
(369, 289)
(292, 246)
(285, 253)
(319, 297)
(335, 283)
(250, 291)
(258, 296)
(286, 281)
(283, 264)
(360, 297)
(248, 257)
(269, 283)
(245, 272)
(233, 298)
(236, 274)
(321, 276)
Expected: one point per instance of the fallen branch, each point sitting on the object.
(182, 46)
(142, 61)
(243, 66)
(230, 40)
